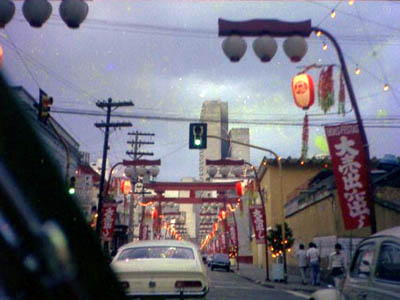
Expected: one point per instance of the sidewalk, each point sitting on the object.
(258, 275)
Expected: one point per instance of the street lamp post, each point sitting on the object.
(295, 47)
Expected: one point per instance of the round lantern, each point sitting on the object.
(225, 171)
(126, 187)
(73, 12)
(239, 188)
(36, 12)
(212, 171)
(295, 47)
(303, 90)
(7, 10)
(234, 47)
(265, 48)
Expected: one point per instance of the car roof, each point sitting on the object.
(394, 231)
(154, 243)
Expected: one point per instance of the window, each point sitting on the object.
(361, 267)
(156, 252)
(388, 264)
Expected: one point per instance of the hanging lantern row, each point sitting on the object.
(265, 47)
(37, 12)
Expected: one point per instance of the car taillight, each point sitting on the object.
(125, 284)
(188, 284)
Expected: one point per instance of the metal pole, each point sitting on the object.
(265, 225)
(103, 170)
(359, 121)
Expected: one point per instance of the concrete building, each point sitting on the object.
(237, 151)
(215, 114)
(316, 202)
(277, 187)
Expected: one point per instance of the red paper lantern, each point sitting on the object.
(303, 90)
(126, 187)
(239, 188)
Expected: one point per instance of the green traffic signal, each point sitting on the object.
(71, 191)
(198, 136)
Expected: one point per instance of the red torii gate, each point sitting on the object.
(220, 187)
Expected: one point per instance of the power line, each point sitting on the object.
(289, 122)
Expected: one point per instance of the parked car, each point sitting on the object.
(209, 260)
(162, 268)
(374, 272)
(220, 261)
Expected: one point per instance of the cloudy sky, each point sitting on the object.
(166, 57)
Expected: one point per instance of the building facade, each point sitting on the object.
(215, 114)
(319, 204)
(276, 185)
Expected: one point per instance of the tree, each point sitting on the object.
(275, 240)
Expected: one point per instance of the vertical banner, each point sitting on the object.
(223, 246)
(349, 163)
(107, 225)
(258, 220)
(217, 246)
(232, 235)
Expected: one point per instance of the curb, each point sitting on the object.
(272, 286)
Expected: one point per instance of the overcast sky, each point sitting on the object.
(166, 57)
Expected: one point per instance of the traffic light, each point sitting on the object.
(198, 136)
(71, 189)
(44, 106)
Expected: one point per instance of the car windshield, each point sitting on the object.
(221, 257)
(156, 252)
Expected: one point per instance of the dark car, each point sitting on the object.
(220, 261)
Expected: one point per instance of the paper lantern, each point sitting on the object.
(240, 188)
(126, 187)
(303, 90)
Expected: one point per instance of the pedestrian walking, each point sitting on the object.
(337, 264)
(301, 256)
(314, 261)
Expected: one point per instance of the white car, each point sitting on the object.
(162, 269)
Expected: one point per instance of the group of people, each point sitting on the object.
(311, 258)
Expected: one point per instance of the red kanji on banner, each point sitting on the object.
(108, 221)
(349, 167)
(258, 220)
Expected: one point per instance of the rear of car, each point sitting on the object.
(161, 269)
(220, 261)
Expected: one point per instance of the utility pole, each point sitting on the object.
(136, 154)
(108, 105)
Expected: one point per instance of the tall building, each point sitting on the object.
(215, 114)
(237, 151)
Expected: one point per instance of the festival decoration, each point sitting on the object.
(342, 95)
(303, 90)
(325, 88)
(276, 242)
(295, 48)
(304, 147)
(303, 94)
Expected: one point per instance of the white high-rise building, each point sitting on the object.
(237, 151)
(215, 114)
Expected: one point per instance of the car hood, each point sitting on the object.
(156, 265)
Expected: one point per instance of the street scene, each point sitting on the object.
(187, 149)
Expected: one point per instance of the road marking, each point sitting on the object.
(297, 294)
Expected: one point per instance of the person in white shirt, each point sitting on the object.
(337, 264)
(313, 259)
(302, 262)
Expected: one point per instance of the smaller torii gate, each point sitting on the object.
(221, 188)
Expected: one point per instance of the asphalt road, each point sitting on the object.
(230, 286)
